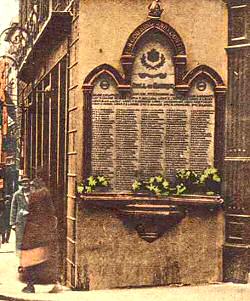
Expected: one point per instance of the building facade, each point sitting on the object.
(3, 122)
(8, 96)
(236, 165)
(128, 90)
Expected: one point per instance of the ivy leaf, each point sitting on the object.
(151, 187)
(102, 181)
(105, 183)
(159, 179)
(151, 180)
(80, 188)
(92, 181)
(210, 193)
(88, 189)
(216, 178)
(136, 185)
(165, 184)
(202, 178)
(213, 170)
(157, 190)
(180, 189)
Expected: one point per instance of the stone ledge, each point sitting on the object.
(115, 199)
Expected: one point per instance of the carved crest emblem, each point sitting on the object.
(155, 10)
(153, 60)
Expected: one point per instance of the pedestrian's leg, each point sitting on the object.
(8, 232)
(30, 274)
(3, 237)
(57, 288)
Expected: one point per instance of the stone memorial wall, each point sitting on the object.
(154, 131)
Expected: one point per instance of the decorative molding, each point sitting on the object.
(151, 221)
(238, 47)
(180, 64)
(114, 199)
(204, 71)
(238, 159)
(101, 70)
(154, 26)
(87, 91)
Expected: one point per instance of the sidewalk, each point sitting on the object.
(10, 288)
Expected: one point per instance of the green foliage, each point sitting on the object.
(180, 189)
(210, 174)
(184, 175)
(80, 188)
(102, 181)
(136, 186)
(186, 181)
(210, 180)
(156, 185)
(91, 183)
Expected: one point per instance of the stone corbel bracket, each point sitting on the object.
(150, 216)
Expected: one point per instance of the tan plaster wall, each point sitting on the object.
(109, 254)
(106, 25)
(112, 256)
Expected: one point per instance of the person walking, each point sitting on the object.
(6, 219)
(10, 187)
(19, 211)
(2, 208)
(39, 249)
(10, 176)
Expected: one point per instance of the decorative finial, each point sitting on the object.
(155, 10)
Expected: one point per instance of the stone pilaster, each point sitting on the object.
(237, 152)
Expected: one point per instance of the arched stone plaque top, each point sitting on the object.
(207, 73)
(153, 26)
(172, 39)
(100, 72)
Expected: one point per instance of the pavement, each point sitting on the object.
(10, 288)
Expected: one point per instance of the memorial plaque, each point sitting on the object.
(153, 132)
